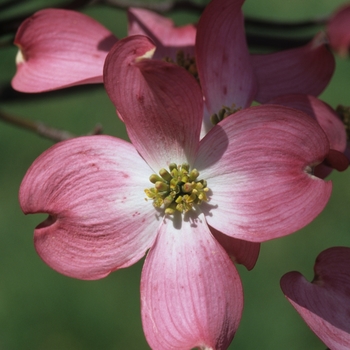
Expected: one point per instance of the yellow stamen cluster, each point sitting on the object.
(223, 113)
(344, 114)
(185, 61)
(177, 189)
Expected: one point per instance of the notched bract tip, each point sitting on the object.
(48, 222)
(147, 55)
(20, 58)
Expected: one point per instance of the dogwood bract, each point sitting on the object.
(60, 48)
(324, 303)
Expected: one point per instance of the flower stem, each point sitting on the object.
(43, 129)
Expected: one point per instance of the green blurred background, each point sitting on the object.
(40, 309)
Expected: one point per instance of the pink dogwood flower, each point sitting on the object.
(248, 179)
(338, 30)
(324, 304)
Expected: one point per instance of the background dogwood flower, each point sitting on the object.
(62, 48)
(324, 303)
(230, 76)
(93, 190)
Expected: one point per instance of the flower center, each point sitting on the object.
(185, 61)
(177, 189)
(223, 113)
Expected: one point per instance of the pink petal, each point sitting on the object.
(223, 61)
(324, 304)
(257, 164)
(191, 294)
(160, 103)
(93, 190)
(325, 116)
(334, 160)
(60, 48)
(304, 70)
(239, 251)
(337, 160)
(167, 38)
(338, 30)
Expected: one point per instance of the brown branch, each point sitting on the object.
(9, 3)
(283, 25)
(43, 129)
(275, 43)
(161, 7)
(10, 26)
